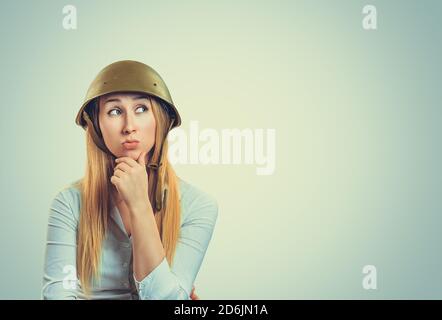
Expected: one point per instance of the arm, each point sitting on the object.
(158, 280)
(59, 280)
(148, 251)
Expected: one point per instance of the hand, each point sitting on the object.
(131, 180)
(193, 295)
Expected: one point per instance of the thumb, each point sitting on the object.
(142, 158)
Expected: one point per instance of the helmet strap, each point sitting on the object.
(98, 141)
(160, 192)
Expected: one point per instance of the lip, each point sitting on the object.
(130, 145)
(130, 140)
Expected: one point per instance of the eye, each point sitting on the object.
(143, 106)
(110, 112)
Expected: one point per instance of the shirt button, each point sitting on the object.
(125, 265)
(126, 245)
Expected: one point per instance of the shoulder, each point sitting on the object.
(196, 203)
(68, 200)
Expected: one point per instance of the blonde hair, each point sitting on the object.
(96, 200)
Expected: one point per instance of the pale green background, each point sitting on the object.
(357, 118)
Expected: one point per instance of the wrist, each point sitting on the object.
(140, 208)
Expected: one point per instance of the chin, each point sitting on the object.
(130, 153)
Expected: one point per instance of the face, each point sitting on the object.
(127, 116)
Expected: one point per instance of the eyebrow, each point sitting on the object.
(118, 100)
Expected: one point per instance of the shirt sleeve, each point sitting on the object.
(175, 282)
(60, 276)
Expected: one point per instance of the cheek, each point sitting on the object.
(110, 131)
(149, 130)
(107, 130)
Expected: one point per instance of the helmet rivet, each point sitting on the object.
(154, 84)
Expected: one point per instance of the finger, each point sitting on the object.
(131, 162)
(114, 180)
(123, 166)
(142, 158)
(119, 173)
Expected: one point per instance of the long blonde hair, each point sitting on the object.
(96, 200)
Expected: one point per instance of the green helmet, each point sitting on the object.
(126, 76)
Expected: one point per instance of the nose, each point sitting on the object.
(129, 124)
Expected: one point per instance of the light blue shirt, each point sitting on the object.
(199, 212)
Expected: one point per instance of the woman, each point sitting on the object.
(130, 229)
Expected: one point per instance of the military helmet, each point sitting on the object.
(129, 76)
